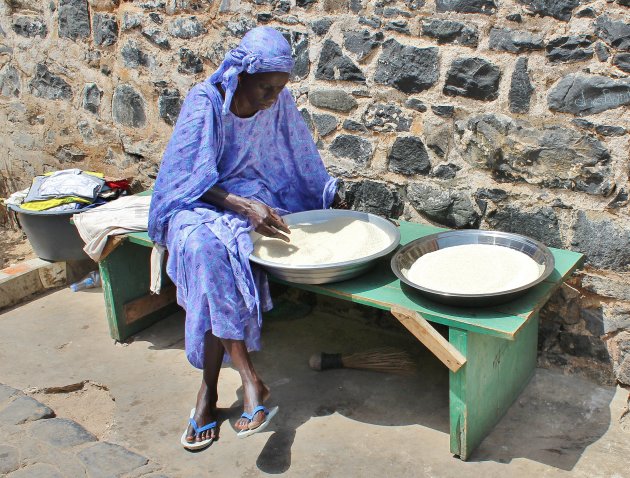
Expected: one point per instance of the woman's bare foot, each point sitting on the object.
(205, 412)
(254, 394)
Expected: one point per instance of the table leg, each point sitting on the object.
(496, 372)
(130, 307)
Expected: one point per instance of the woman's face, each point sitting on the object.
(261, 90)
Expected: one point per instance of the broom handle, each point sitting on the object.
(331, 361)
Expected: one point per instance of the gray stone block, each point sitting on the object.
(352, 125)
(325, 124)
(610, 130)
(10, 81)
(38, 470)
(334, 65)
(504, 39)
(374, 197)
(558, 9)
(105, 29)
(521, 88)
(24, 409)
(583, 346)
(336, 100)
(240, 26)
(542, 224)
(46, 85)
(157, 37)
(133, 56)
(361, 43)
(568, 49)
(605, 242)
(622, 61)
(448, 207)
(409, 156)
(7, 392)
(400, 26)
(190, 63)
(186, 28)
(385, 118)
(407, 68)
(445, 171)
(416, 104)
(169, 105)
(602, 52)
(128, 107)
(620, 351)
(614, 33)
(29, 27)
(61, 433)
(553, 156)
(74, 19)
(446, 31)
(9, 459)
(475, 78)
(106, 460)
(487, 7)
(92, 95)
(352, 147)
(584, 95)
(320, 27)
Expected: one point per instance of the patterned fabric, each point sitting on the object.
(270, 157)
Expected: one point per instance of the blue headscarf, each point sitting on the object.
(262, 50)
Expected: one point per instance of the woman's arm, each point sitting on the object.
(263, 218)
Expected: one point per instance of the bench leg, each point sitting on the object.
(496, 372)
(125, 274)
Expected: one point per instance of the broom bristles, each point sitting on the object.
(383, 359)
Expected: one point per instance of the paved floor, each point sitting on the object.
(341, 423)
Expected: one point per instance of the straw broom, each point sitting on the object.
(386, 360)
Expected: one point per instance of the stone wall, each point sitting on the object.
(503, 114)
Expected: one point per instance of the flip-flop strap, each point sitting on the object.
(198, 429)
(259, 408)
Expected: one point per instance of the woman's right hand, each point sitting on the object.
(265, 220)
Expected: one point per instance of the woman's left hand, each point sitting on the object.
(339, 203)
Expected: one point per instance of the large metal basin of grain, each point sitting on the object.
(334, 272)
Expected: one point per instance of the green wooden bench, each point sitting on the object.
(491, 352)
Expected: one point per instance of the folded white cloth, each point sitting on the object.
(123, 215)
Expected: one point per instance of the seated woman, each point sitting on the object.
(240, 157)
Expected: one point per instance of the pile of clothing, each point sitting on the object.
(67, 190)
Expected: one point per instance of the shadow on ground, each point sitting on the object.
(554, 420)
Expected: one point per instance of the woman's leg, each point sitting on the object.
(206, 408)
(255, 392)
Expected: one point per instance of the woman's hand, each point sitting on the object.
(265, 220)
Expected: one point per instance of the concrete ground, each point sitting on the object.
(340, 423)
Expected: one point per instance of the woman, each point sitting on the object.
(240, 157)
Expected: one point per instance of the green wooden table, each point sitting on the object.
(498, 344)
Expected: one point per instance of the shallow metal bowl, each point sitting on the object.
(407, 255)
(322, 274)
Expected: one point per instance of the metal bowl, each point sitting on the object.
(334, 272)
(407, 255)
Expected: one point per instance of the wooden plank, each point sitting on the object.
(143, 306)
(112, 243)
(126, 276)
(431, 338)
(480, 393)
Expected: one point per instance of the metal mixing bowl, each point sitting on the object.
(322, 274)
(407, 255)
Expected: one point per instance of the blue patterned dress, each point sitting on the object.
(269, 157)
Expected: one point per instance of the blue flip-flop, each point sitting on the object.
(197, 445)
(269, 414)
